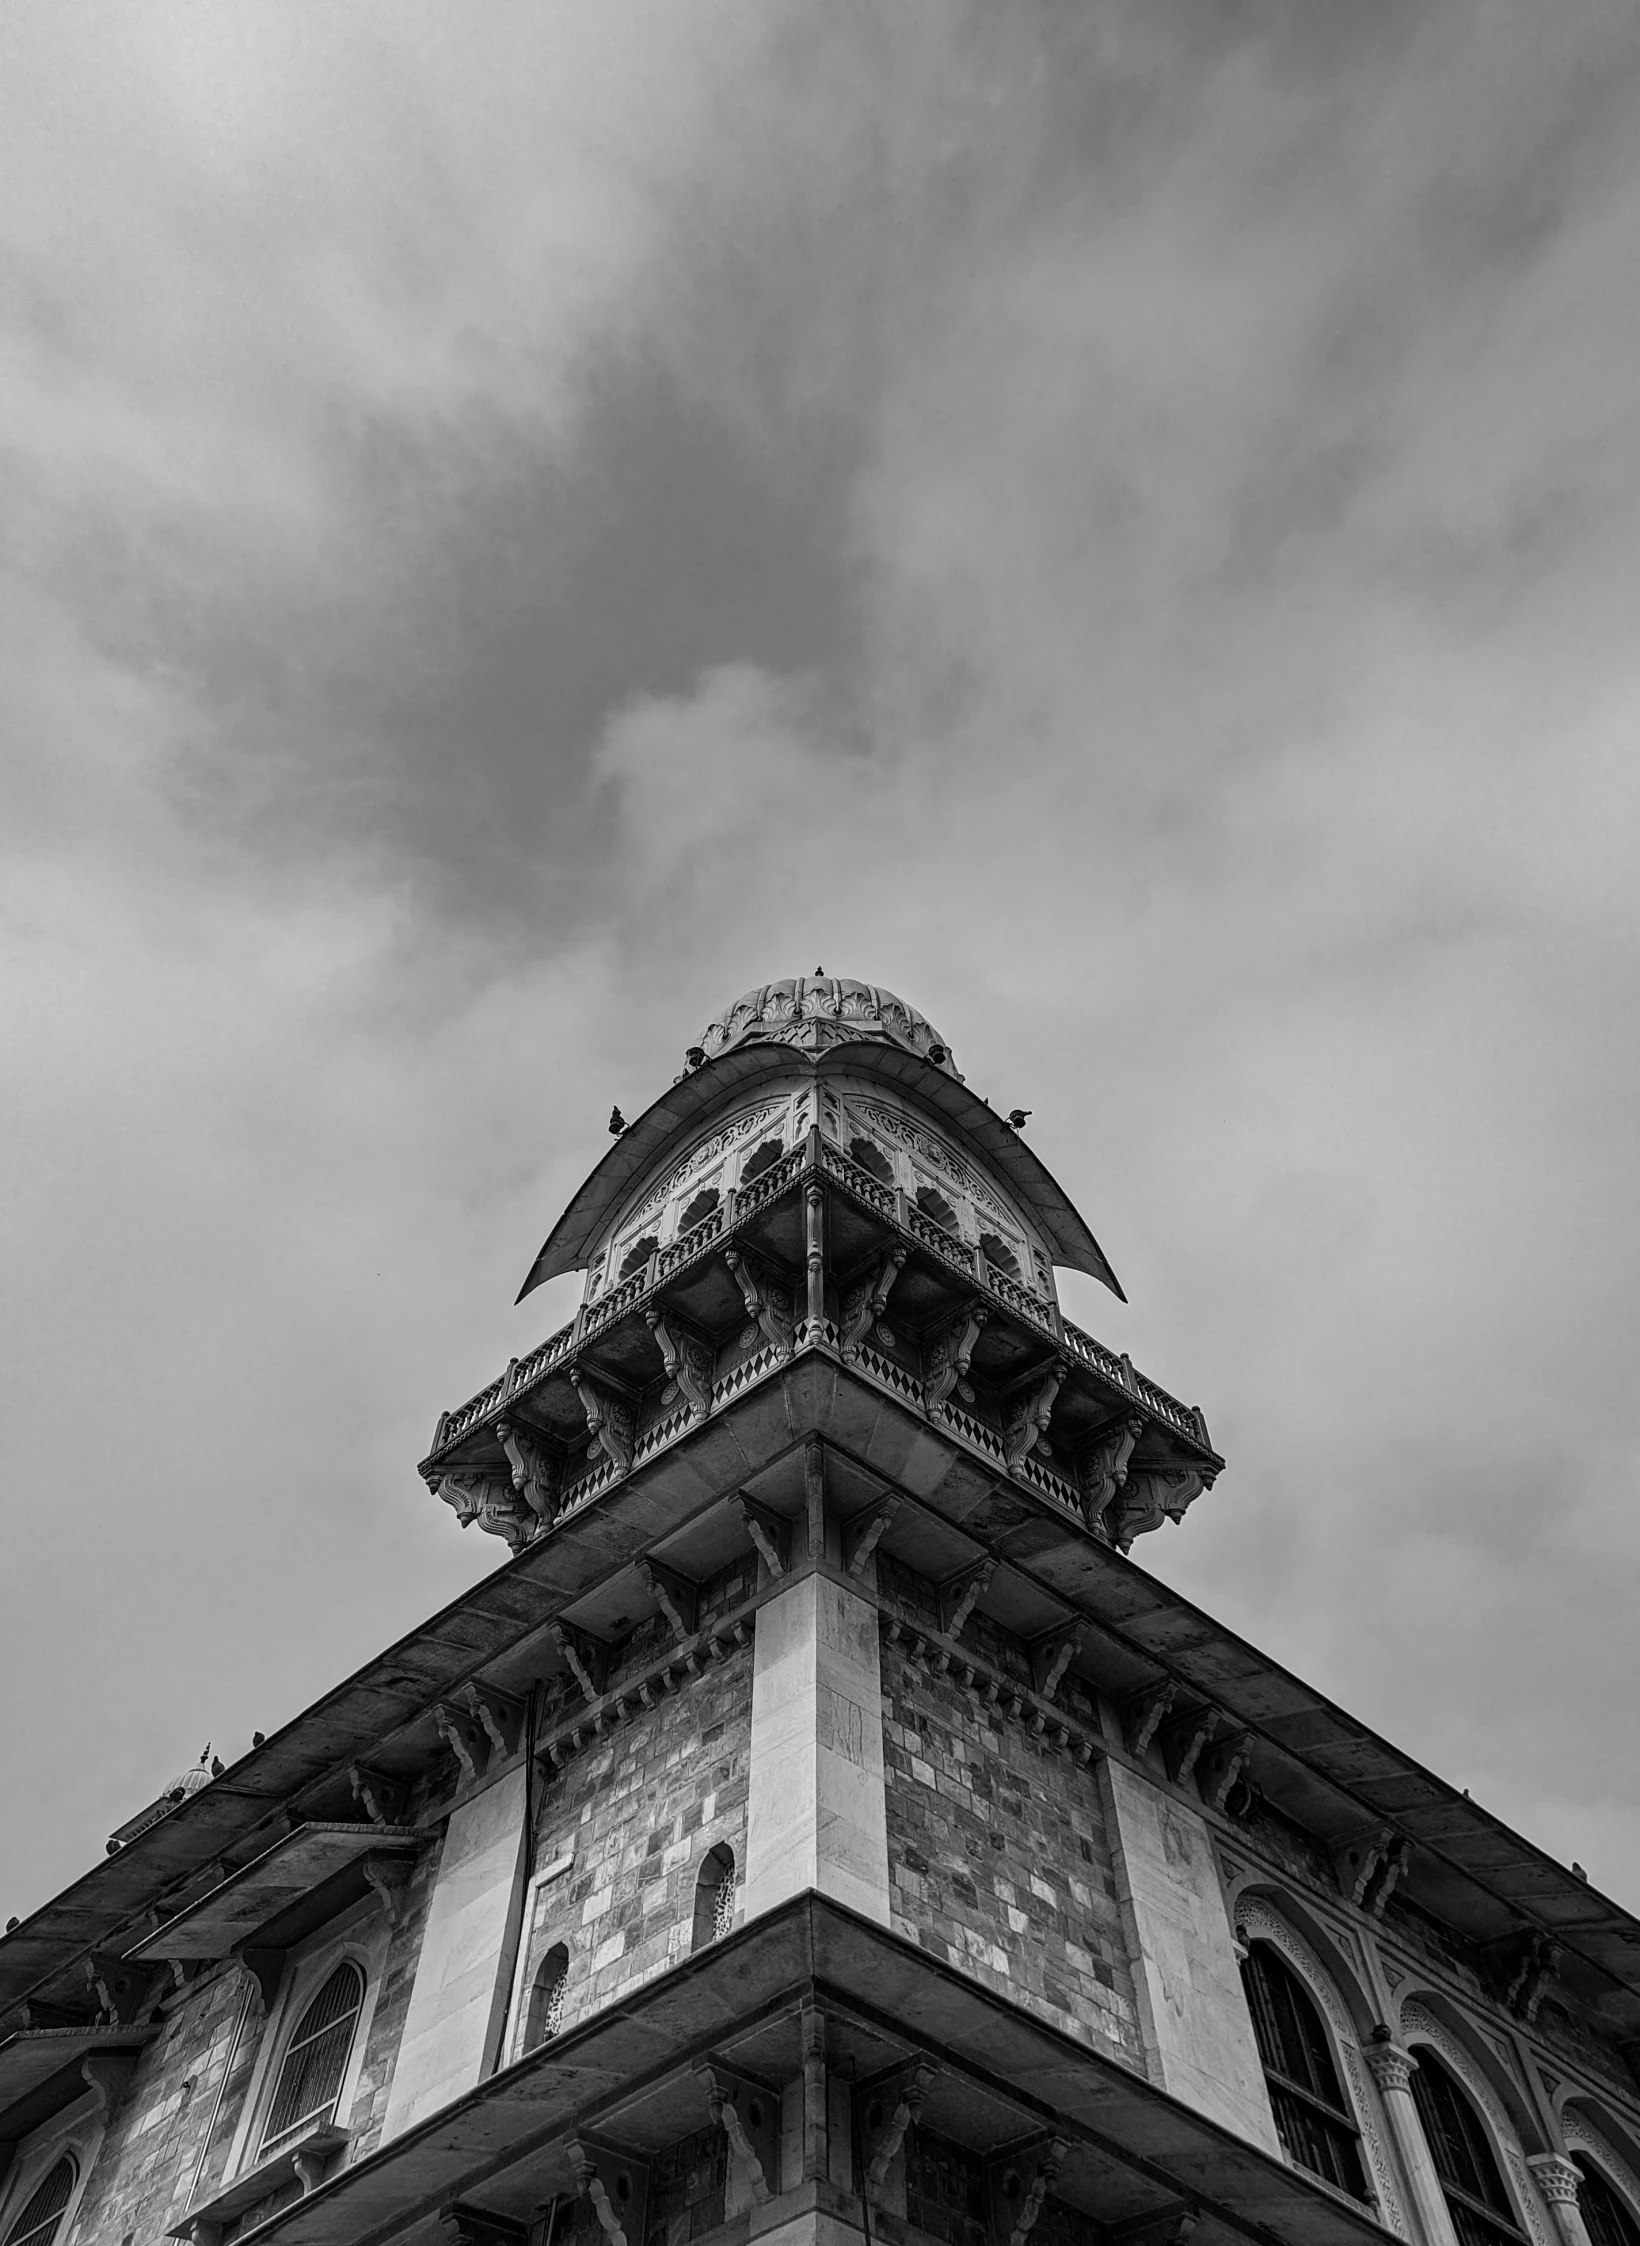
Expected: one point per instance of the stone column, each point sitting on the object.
(1392, 2071)
(1557, 2179)
(816, 1815)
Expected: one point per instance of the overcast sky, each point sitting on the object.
(1119, 521)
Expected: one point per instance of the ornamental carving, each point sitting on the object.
(1150, 1497)
(1104, 1466)
(865, 1302)
(1420, 2026)
(947, 1358)
(535, 1471)
(687, 1360)
(1254, 1920)
(491, 1502)
(768, 1304)
(1026, 1427)
(1582, 2136)
(609, 1422)
(939, 1157)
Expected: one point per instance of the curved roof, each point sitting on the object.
(815, 1011)
(674, 1118)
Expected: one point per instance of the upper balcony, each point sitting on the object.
(819, 1254)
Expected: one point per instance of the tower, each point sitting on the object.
(820, 1824)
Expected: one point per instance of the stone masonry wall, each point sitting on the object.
(637, 1814)
(145, 2168)
(998, 1859)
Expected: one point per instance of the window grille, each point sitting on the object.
(637, 1255)
(37, 2225)
(1312, 2114)
(310, 2079)
(723, 1910)
(1606, 2216)
(1475, 2197)
(546, 2013)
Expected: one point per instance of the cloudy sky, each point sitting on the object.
(1121, 522)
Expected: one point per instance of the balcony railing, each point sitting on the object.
(705, 1239)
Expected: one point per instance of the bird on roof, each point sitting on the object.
(1018, 1117)
(617, 1122)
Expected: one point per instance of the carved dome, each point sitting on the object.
(814, 1011)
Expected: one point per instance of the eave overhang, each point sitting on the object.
(41, 2070)
(264, 1901)
(999, 2073)
(667, 1125)
(1486, 1880)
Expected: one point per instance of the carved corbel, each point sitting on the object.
(310, 2163)
(865, 1533)
(767, 1304)
(1053, 1655)
(1369, 1869)
(387, 1877)
(766, 1530)
(958, 1594)
(1104, 1467)
(907, 2108)
(686, 1360)
(383, 1800)
(586, 1657)
(1047, 2168)
(1537, 1967)
(108, 2074)
(491, 1503)
(1218, 1770)
(585, 2164)
(500, 1716)
(677, 1598)
(1144, 1712)
(609, 1422)
(1184, 1739)
(948, 1356)
(866, 1301)
(1027, 1423)
(1387, 1875)
(1152, 1496)
(125, 1991)
(266, 1968)
(723, 2097)
(465, 1737)
(537, 1473)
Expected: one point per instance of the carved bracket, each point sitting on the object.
(677, 1598)
(125, 1991)
(766, 1530)
(1370, 1869)
(687, 1359)
(1028, 1417)
(958, 1594)
(586, 1657)
(734, 2104)
(388, 1877)
(613, 2185)
(609, 1422)
(1144, 1712)
(865, 1532)
(1184, 1739)
(383, 1800)
(1218, 1770)
(865, 1302)
(537, 1473)
(1151, 1496)
(907, 2108)
(1535, 1970)
(489, 1501)
(947, 1357)
(1020, 2203)
(1103, 1467)
(499, 1716)
(465, 1737)
(108, 2073)
(1052, 1655)
(768, 1304)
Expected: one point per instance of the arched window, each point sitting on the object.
(714, 1896)
(1606, 2215)
(1313, 2117)
(936, 1206)
(1000, 1256)
(870, 1156)
(761, 1158)
(310, 2078)
(546, 2010)
(1476, 2200)
(699, 1209)
(637, 1256)
(38, 2224)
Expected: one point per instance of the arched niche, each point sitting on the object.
(1419, 2025)
(1258, 1921)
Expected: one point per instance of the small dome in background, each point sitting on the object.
(191, 1780)
(813, 1011)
